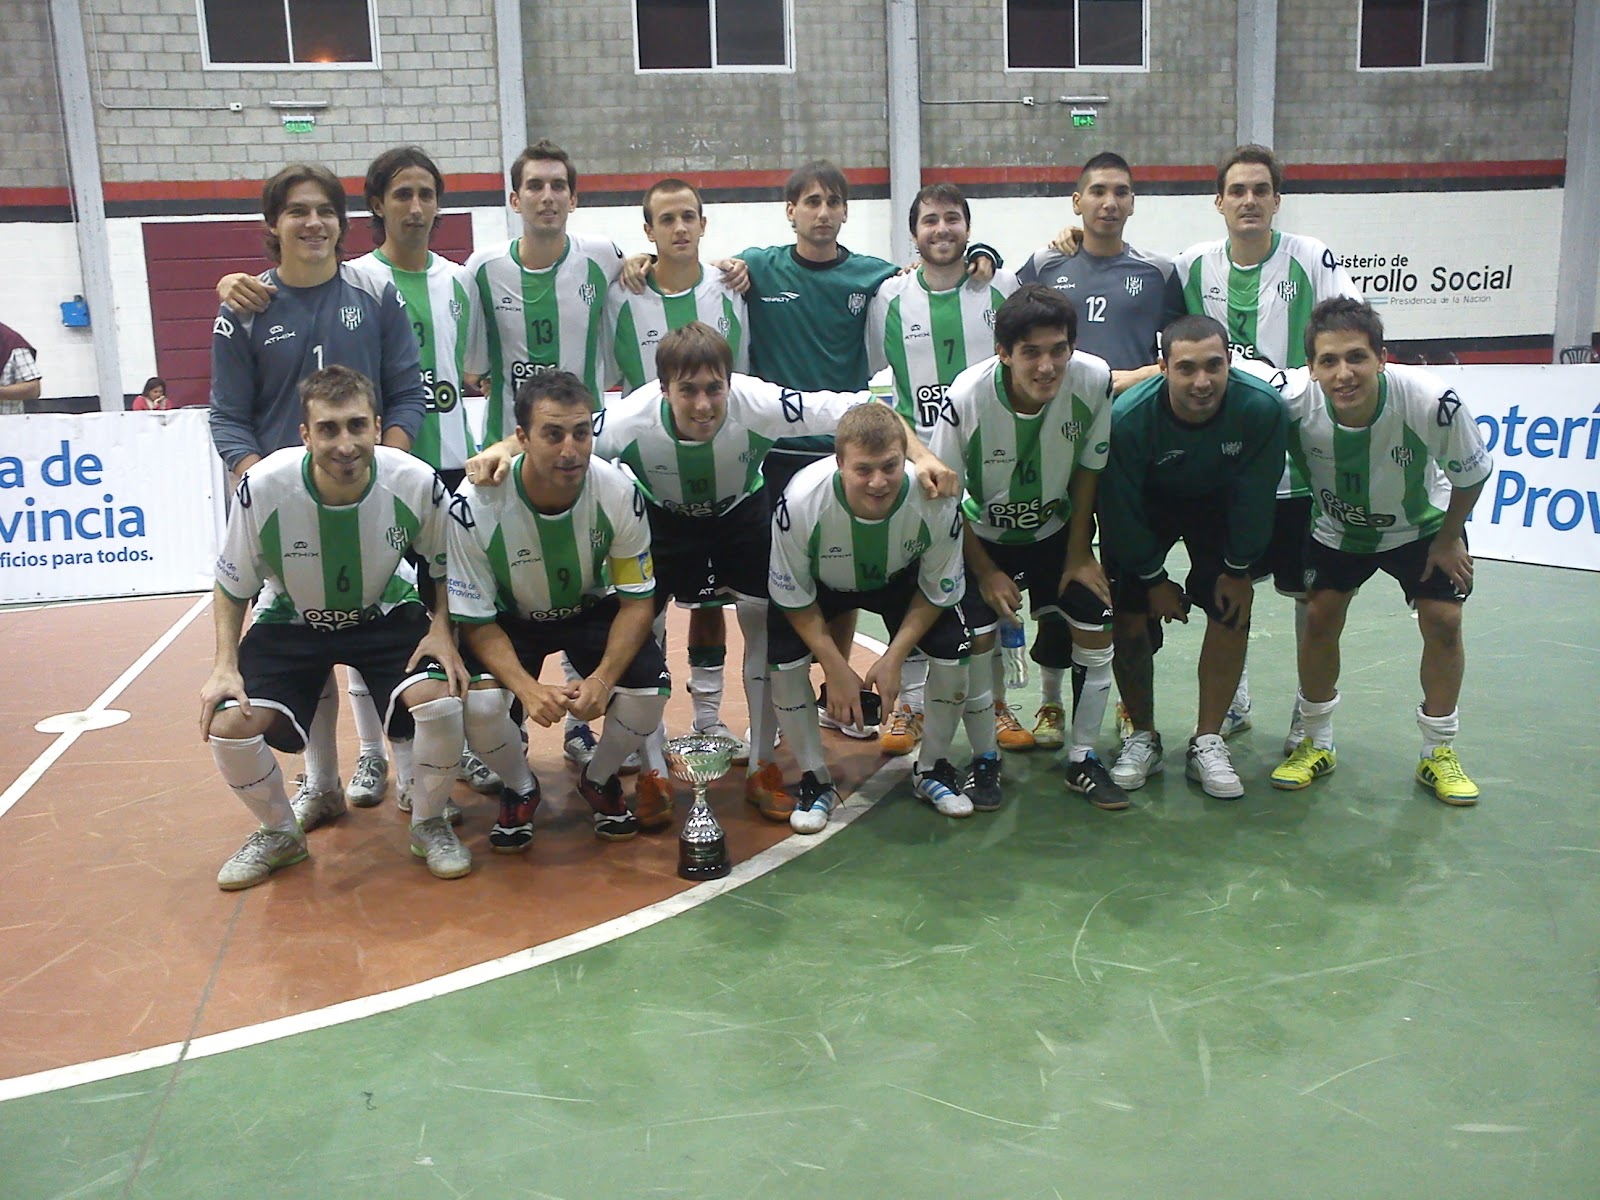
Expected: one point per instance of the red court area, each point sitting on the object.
(113, 934)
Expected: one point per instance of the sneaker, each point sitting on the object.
(513, 828)
(1094, 783)
(938, 787)
(902, 733)
(1050, 727)
(475, 773)
(765, 790)
(435, 841)
(1209, 764)
(612, 820)
(1139, 758)
(1237, 720)
(741, 756)
(813, 804)
(861, 733)
(653, 798)
(1442, 772)
(777, 736)
(368, 781)
(1008, 731)
(1308, 762)
(452, 810)
(631, 765)
(983, 782)
(579, 745)
(1297, 729)
(312, 809)
(263, 852)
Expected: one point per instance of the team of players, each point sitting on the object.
(1026, 389)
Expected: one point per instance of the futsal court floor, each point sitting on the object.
(1350, 991)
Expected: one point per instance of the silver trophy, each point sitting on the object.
(699, 759)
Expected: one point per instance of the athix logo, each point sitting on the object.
(1403, 455)
(1171, 458)
(780, 298)
(1232, 449)
(350, 315)
(278, 334)
(1135, 285)
(1064, 285)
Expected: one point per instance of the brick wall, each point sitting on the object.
(31, 152)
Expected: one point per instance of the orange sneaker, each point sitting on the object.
(1008, 731)
(901, 732)
(653, 799)
(764, 789)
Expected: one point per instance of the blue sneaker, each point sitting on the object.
(939, 788)
(579, 746)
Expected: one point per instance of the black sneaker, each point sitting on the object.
(513, 831)
(1092, 779)
(612, 820)
(983, 783)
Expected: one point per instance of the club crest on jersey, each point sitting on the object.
(1135, 285)
(397, 538)
(1072, 430)
(988, 317)
(1403, 455)
(856, 303)
(587, 294)
(350, 315)
(724, 326)
(1231, 449)
(597, 538)
(455, 309)
(1288, 289)
(914, 546)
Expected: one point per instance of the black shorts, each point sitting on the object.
(948, 641)
(1285, 559)
(583, 640)
(285, 667)
(1200, 523)
(1036, 567)
(780, 466)
(1328, 569)
(699, 560)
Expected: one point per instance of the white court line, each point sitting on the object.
(64, 741)
(873, 788)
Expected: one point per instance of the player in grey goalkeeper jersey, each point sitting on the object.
(1396, 464)
(860, 532)
(320, 533)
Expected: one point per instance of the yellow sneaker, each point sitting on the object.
(901, 732)
(1050, 727)
(1308, 762)
(653, 798)
(1443, 773)
(1008, 731)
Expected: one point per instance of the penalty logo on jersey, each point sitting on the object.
(1135, 285)
(350, 314)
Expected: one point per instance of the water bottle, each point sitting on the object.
(1014, 646)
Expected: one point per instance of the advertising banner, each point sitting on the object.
(108, 504)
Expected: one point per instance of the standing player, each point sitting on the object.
(320, 533)
(313, 312)
(1262, 284)
(860, 532)
(558, 561)
(1396, 463)
(1195, 455)
(927, 326)
(680, 289)
(1027, 429)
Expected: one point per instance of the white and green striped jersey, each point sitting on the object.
(440, 310)
(508, 557)
(1287, 382)
(635, 324)
(534, 321)
(927, 338)
(1017, 469)
(706, 479)
(817, 539)
(1265, 307)
(331, 567)
(1387, 484)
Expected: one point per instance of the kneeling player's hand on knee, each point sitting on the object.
(1000, 592)
(1449, 557)
(224, 684)
(1090, 574)
(441, 648)
(546, 705)
(587, 698)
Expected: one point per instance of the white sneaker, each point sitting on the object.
(1237, 720)
(368, 781)
(436, 842)
(1297, 729)
(1139, 758)
(313, 809)
(579, 744)
(475, 773)
(777, 737)
(860, 732)
(741, 756)
(813, 803)
(940, 788)
(1209, 764)
(264, 851)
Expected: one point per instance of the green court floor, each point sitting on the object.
(1351, 991)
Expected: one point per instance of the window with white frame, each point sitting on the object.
(712, 35)
(1396, 34)
(1073, 35)
(278, 33)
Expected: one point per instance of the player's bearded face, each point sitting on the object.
(410, 205)
(699, 404)
(872, 481)
(559, 444)
(1197, 378)
(1347, 369)
(342, 437)
(942, 234)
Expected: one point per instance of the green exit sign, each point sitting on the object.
(1083, 118)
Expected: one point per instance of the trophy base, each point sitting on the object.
(699, 861)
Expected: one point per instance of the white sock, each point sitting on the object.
(1241, 694)
(495, 739)
(1437, 731)
(947, 688)
(630, 720)
(978, 714)
(251, 770)
(369, 723)
(796, 705)
(438, 747)
(705, 690)
(568, 675)
(1317, 720)
(403, 764)
(655, 750)
(1089, 713)
(914, 681)
(752, 616)
(1050, 685)
(322, 747)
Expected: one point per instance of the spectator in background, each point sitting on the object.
(19, 370)
(154, 396)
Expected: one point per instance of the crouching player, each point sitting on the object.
(319, 532)
(558, 560)
(1396, 464)
(852, 532)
